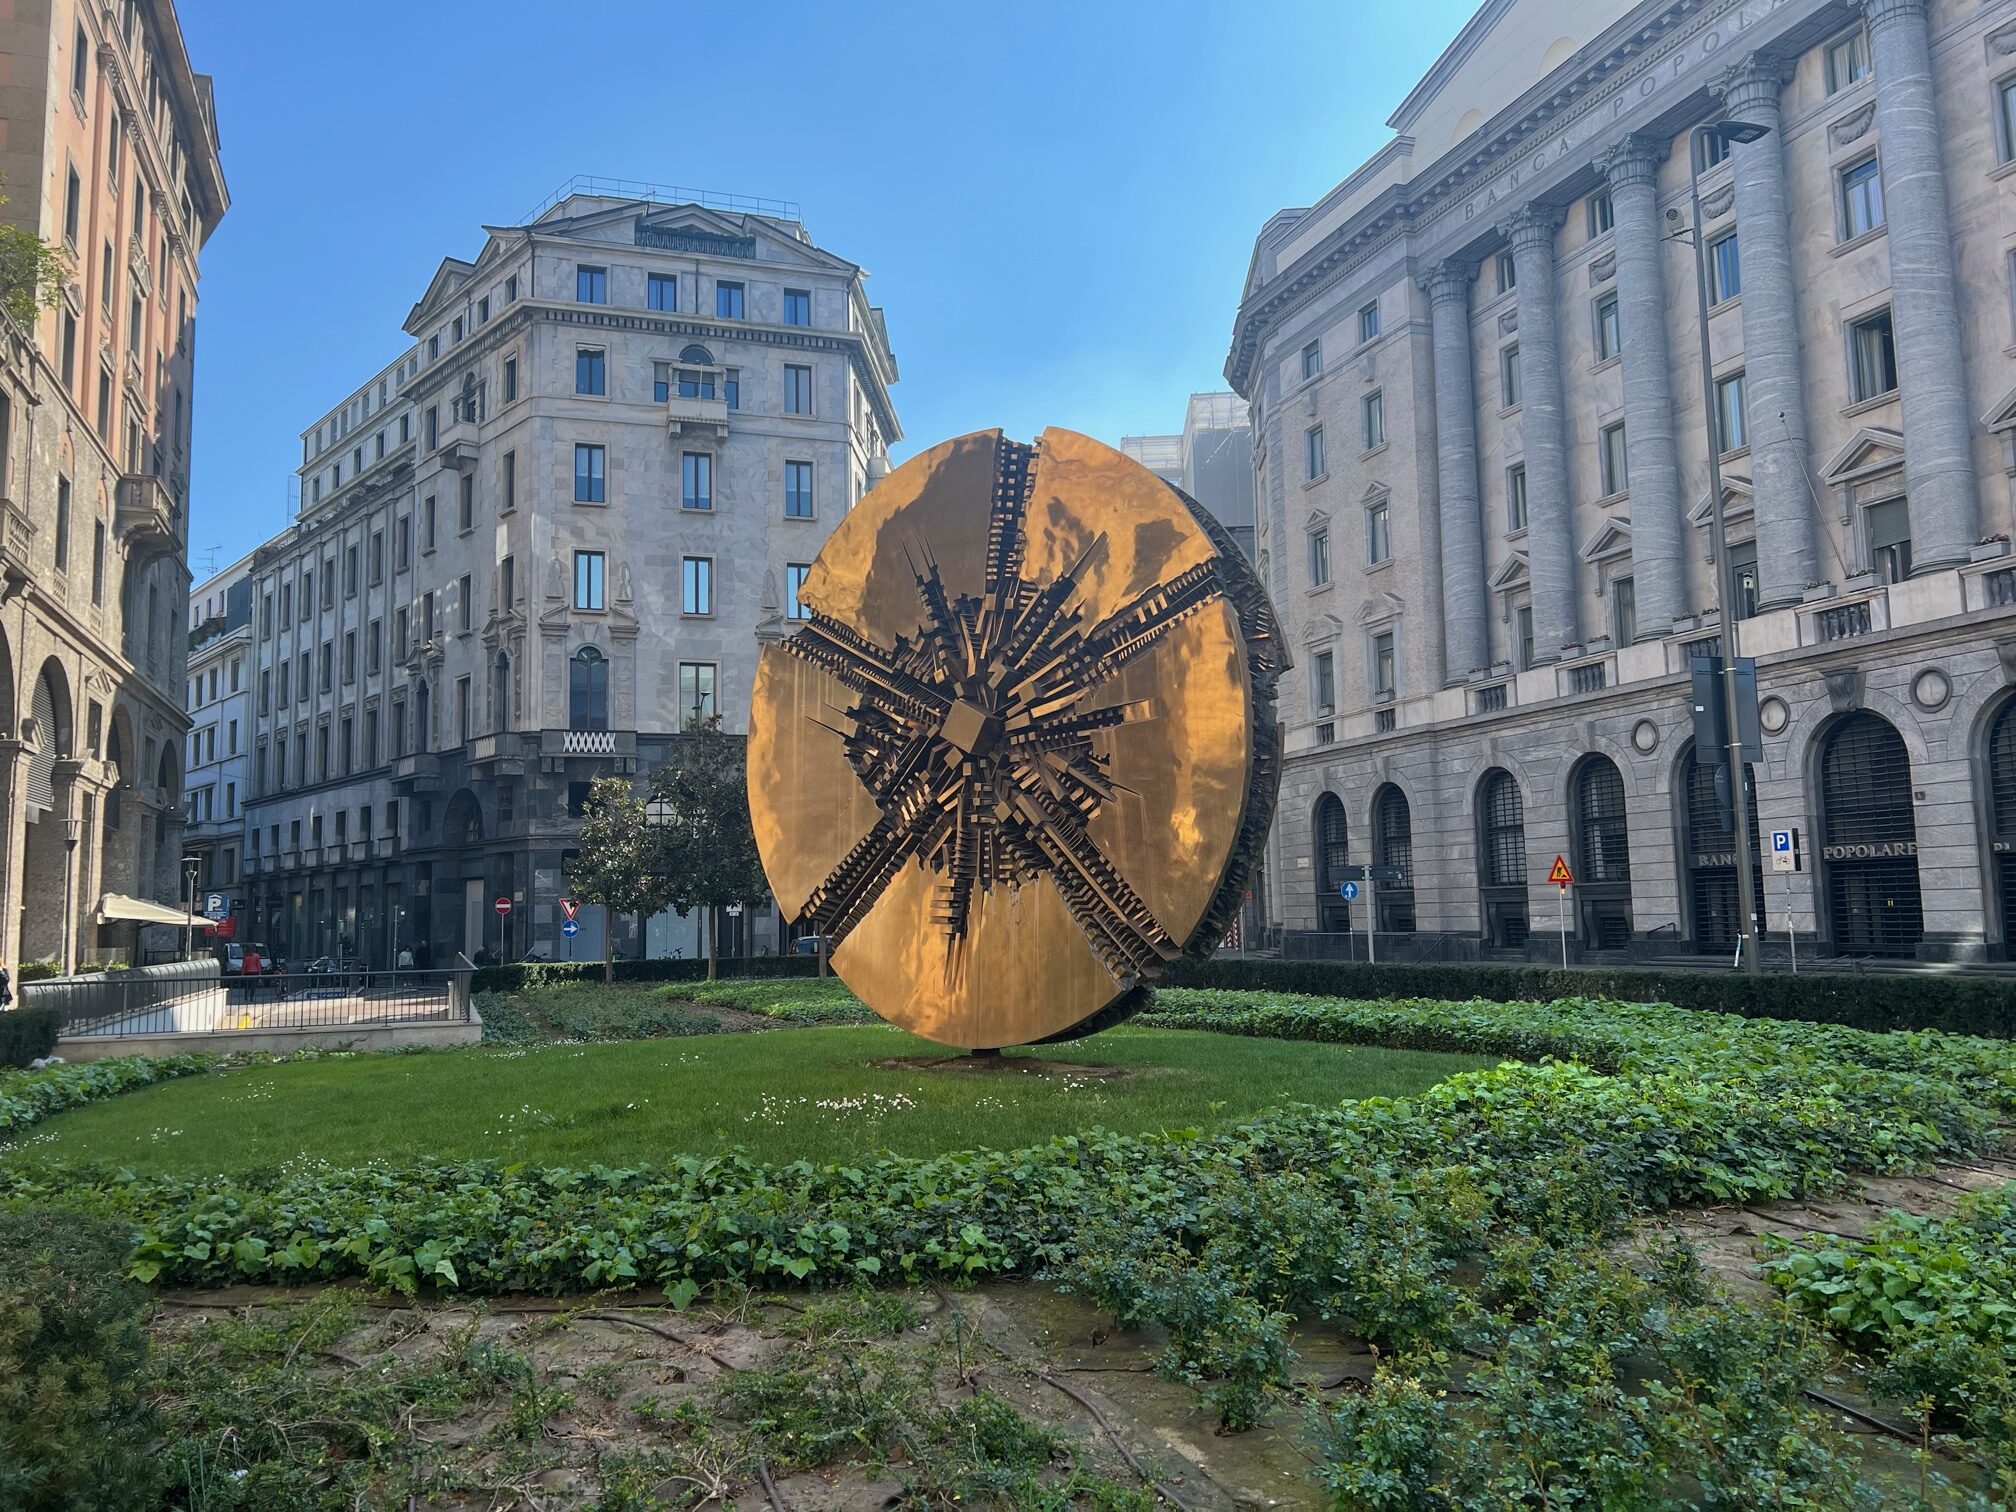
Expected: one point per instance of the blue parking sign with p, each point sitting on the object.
(1781, 840)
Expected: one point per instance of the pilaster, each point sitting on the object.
(1466, 645)
(1550, 533)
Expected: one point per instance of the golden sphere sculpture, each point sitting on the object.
(1019, 751)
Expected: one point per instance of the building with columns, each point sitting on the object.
(219, 705)
(530, 551)
(109, 153)
(1481, 429)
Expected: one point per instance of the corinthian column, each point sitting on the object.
(1465, 612)
(1550, 523)
(1787, 558)
(1652, 460)
(1938, 461)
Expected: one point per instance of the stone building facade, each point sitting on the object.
(1212, 460)
(532, 551)
(219, 705)
(1481, 435)
(109, 153)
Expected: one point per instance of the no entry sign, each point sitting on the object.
(503, 906)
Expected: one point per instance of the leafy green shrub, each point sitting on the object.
(1958, 1005)
(819, 1001)
(36, 971)
(74, 1421)
(592, 1011)
(28, 1034)
(31, 1096)
(505, 1021)
(515, 978)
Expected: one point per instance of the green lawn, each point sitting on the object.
(810, 1093)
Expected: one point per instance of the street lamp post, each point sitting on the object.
(1728, 133)
(190, 867)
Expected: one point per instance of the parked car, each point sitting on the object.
(231, 956)
(809, 945)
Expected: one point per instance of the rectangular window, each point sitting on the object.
(286, 604)
(349, 656)
(1323, 683)
(797, 389)
(1616, 474)
(465, 504)
(430, 427)
(1725, 268)
(661, 382)
(1624, 611)
(1372, 418)
(1312, 359)
(510, 379)
(1872, 357)
(80, 62)
(98, 565)
(402, 543)
(1508, 375)
(73, 207)
(1602, 214)
(462, 710)
(2005, 119)
(696, 586)
(1524, 620)
(728, 301)
(731, 387)
(465, 601)
(1714, 148)
(510, 481)
(507, 584)
(1319, 558)
(1515, 496)
(265, 691)
(1383, 669)
(1378, 535)
(588, 579)
(794, 583)
(427, 524)
(1312, 452)
(590, 375)
(798, 490)
(591, 285)
(1730, 416)
(696, 690)
(1609, 338)
(325, 667)
(1890, 540)
(696, 481)
(1368, 321)
(427, 615)
(350, 571)
(661, 291)
(286, 668)
(588, 479)
(1507, 271)
(67, 364)
(1743, 577)
(401, 638)
(511, 287)
(104, 403)
(1861, 198)
(1847, 61)
(62, 523)
(374, 647)
(797, 307)
(455, 330)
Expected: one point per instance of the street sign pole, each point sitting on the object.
(1563, 878)
(1371, 922)
(1564, 926)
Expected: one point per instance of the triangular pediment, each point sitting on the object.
(1871, 449)
(1322, 629)
(1611, 539)
(1512, 574)
(1381, 607)
(1737, 501)
(2003, 415)
(1377, 493)
(452, 273)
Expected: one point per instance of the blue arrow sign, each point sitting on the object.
(1347, 890)
(571, 928)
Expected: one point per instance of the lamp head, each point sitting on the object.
(1739, 131)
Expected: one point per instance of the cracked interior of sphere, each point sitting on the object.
(1020, 752)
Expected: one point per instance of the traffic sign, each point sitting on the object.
(503, 907)
(1352, 872)
(568, 907)
(1560, 876)
(215, 905)
(1385, 871)
(571, 928)
(1347, 890)
(1785, 850)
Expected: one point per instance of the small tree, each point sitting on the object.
(32, 274)
(707, 845)
(618, 865)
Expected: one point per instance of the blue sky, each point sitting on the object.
(1056, 201)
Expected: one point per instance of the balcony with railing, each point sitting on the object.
(692, 407)
(417, 772)
(146, 518)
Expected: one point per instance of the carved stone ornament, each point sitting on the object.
(2002, 41)
(1603, 269)
(1717, 202)
(1853, 126)
(1508, 322)
(1844, 690)
(1022, 753)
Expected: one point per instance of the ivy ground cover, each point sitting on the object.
(814, 1094)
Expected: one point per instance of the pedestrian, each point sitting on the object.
(405, 964)
(6, 989)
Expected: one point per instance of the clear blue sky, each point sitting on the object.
(1055, 201)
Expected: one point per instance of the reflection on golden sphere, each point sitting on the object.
(1020, 751)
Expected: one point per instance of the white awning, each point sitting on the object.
(118, 908)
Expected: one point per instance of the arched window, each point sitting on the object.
(1333, 852)
(2002, 817)
(588, 691)
(699, 354)
(1869, 839)
(1501, 855)
(1710, 855)
(1602, 855)
(1393, 845)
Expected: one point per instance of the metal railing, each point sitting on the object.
(1843, 622)
(191, 997)
(662, 194)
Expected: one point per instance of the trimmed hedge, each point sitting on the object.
(28, 1034)
(541, 973)
(1957, 1005)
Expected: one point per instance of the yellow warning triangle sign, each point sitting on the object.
(1560, 876)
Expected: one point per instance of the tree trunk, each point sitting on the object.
(713, 941)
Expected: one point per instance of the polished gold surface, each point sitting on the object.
(1022, 753)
